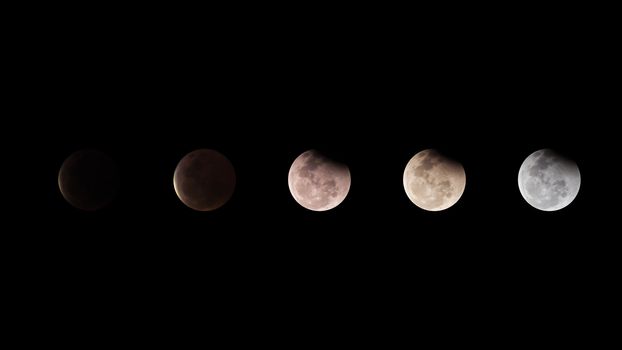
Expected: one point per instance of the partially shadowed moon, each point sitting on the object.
(89, 179)
(204, 180)
(432, 181)
(318, 183)
(548, 181)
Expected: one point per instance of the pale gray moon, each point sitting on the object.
(318, 183)
(89, 179)
(432, 181)
(549, 181)
(204, 180)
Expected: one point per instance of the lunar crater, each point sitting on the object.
(432, 181)
(318, 183)
(548, 181)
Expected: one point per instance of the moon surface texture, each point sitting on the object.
(317, 182)
(89, 179)
(548, 181)
(204, 180)
(432, 181)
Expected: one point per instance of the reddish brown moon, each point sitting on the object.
(89, 179)
(204, 180)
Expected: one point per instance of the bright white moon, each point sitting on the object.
(318, 183)
(434, 182)
(548, 181)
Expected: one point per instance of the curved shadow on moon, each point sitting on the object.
(317, 182)
(549, 181)
(204, 180)
(433, 181)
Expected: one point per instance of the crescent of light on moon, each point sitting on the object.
(548, 181)
(89, 179)
(432, 181)
(204, 180)
(317, 182)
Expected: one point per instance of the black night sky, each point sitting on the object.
(370, 98)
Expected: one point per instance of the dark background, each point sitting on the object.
(369, 93)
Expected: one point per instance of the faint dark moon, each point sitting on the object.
(89, 179)
(204, 180)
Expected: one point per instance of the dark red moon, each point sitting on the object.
(204, 180)
(89, 179)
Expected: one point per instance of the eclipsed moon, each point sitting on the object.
(204, 180)
(432, 181)
(317, 182)
(549, 181)
(89, 179)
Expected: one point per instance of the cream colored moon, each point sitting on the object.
(432, 181)
(318, 183)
